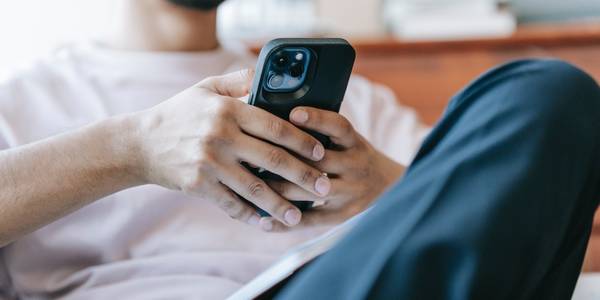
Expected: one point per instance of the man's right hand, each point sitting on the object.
(195, 142)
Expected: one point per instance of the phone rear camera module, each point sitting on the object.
(286, 69)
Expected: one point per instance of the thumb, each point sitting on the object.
(235, 84)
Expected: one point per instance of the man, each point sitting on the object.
(90, 121)
(497, 204)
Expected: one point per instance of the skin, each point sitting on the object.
(358, 171)
(157, 25)
(196, 149)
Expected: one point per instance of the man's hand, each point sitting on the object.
(193, 142)
(358, 172)
(196, 140)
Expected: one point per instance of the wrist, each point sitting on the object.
(123, 139)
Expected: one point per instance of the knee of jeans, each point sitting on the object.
(551, 90)
(558, 87)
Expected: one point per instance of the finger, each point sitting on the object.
(282, 163)
(329, 123)
(235, 84)
(339, 189)
(334, 162)
(262, 124)
(309, 219)
(234, 206)
(255, 190)
(291, 191)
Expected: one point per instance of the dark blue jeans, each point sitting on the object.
(498, 203)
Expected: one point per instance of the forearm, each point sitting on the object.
(46, 180)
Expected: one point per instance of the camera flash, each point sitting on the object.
(299, 56)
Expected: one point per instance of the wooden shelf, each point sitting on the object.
(424, 75)
(543, 35)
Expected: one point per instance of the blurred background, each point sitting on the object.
(29, 28)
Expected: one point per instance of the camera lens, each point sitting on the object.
(275, 80)
(296, 69)
(280, 60)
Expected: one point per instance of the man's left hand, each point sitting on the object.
(358, 172)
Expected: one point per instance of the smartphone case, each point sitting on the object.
(327, 78)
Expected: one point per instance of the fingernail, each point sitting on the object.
(322, 185)
(254, 219)
(292, 217)
(318, 152)
(266, 224)
(299, 116)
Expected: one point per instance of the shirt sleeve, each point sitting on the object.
(389, 126)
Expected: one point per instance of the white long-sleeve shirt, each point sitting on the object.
(149, 242)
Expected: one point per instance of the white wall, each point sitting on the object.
(29, 28)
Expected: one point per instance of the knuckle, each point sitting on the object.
(226, 109)
(247, 75)
(244, 73)
(307, 176)
(276, 128)
(219, 137)
(233, 209)
(276, 158)
(346, 126)
(281, 188)
(204, 161)
(192, 184)
(206, 82)
(256, 189)
(237, 214)
(227, 204)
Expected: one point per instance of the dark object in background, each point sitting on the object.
(198, 4)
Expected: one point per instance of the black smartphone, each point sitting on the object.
(295, 72)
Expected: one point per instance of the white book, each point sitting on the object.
(454, 26)
(294, 259)
(408, 7)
